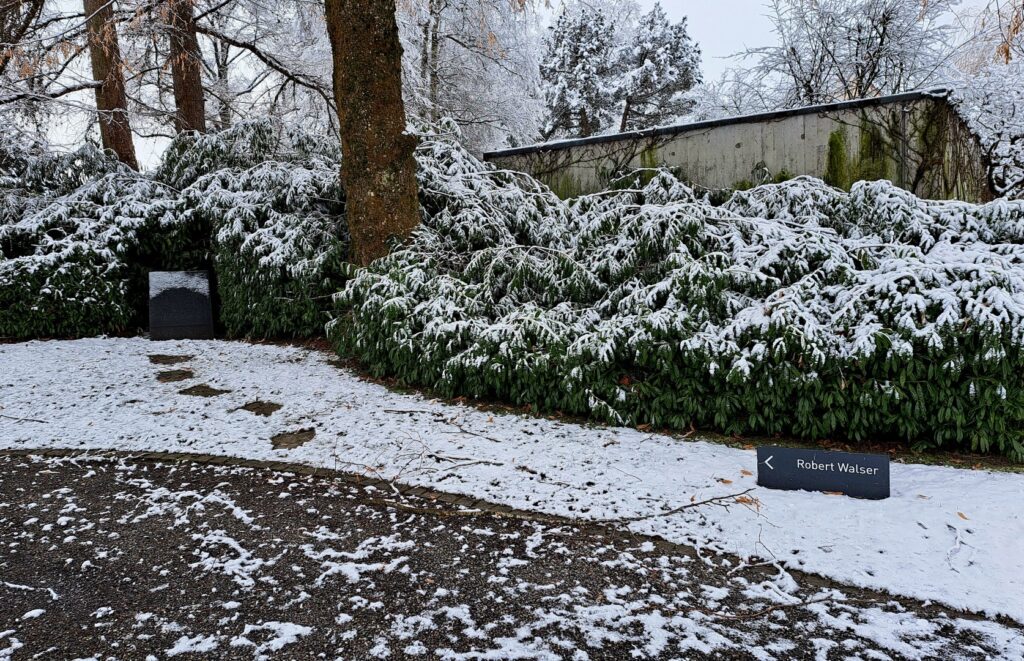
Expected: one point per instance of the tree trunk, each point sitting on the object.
(111, 101)
(625, 116)
(435, 59)
(186, 69)
(222, 54)
(378, 170)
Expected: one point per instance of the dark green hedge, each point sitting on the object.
(258, 206)
(793, 309)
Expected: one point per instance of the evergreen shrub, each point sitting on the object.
(273, 201)
(794, 308)
(259, 205)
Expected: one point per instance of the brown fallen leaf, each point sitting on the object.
(724, 481)
(962, 516)
(746, 472)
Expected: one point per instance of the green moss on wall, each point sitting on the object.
(649, 158)
(650, 162)
(837, 167)
(782, 176)
(872, 159)
(562, 184)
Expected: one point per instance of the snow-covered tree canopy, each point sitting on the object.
(793, 308)
(474, 61)
(604, 69)
(658, 65)
(576, 70)
(851, 49)
(991, 101)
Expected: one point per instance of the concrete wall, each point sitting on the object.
(915, 140)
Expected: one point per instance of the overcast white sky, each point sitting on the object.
(725, 27)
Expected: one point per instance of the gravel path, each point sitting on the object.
(119, 559)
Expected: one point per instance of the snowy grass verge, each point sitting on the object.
(948, 535)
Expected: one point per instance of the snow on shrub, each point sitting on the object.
(793, 308)
(79, 232)
(75, 230)
(274, 202)
(280, 244)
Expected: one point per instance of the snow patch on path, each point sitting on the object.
(102, 394)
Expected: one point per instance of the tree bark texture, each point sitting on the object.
(378, 170)
(186, 69)
(107, 69)
(16, 18)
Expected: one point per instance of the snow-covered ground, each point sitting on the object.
(948, 535)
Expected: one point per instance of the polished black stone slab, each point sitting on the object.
(180, 306)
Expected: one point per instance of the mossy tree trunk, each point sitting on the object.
(378, 170)
(108, 71)
(186, 69)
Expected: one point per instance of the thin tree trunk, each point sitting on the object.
(223, 57)
(625, 116)
(378, 170)
(186, 69)
(107, 68)
(435, 58)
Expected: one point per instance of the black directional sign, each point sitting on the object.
(853, 474)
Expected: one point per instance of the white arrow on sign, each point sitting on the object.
(768, 462)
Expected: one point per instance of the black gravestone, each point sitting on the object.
(179, 306)
(853, 474)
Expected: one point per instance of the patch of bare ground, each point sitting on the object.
(164, 359)
(203, 390)
(291, 440)
(261, 408)
(173, 376)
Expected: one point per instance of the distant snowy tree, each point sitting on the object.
(607, 68)
(577, 73)
(831, 50)
(991, 101)
(737, 92)
(474, 61)
(658, 65)
(995, 34)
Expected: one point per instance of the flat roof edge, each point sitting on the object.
(935, 93)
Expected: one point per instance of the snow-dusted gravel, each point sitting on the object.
(130, 559)
(948, 535)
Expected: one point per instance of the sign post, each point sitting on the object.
(852, 474)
